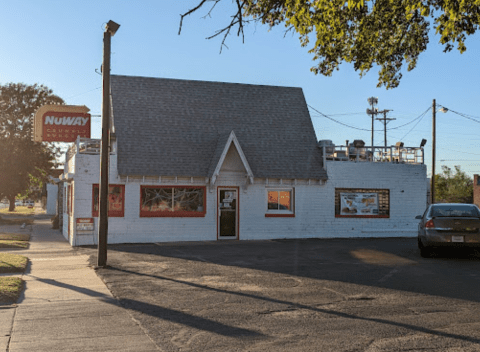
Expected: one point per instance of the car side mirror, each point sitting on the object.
(419, 217)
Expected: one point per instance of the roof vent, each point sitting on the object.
(327, 144)
(358, 143)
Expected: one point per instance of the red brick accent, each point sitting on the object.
(476, 189)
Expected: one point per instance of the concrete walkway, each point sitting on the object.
(65, 306)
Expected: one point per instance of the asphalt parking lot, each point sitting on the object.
(298, 295)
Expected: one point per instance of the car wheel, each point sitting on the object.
(425, 252)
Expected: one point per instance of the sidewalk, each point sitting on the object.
(65, 306)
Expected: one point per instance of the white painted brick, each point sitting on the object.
(314, 205)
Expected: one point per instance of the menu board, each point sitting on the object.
(359, 204)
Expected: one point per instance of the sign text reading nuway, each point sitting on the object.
(66, 120)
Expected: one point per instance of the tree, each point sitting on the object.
(453, 187)
(22, 160)
(365, 33)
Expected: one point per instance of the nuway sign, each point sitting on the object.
(61, 123)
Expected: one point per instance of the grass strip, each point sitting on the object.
(17, 221)
(12, 263)
(13, 244)
(15, 236)
(10, 289)
(20, 210)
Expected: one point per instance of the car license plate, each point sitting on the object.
(457, 238)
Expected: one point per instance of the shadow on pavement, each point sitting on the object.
(198, 322)
(356, 261)
(159, 312)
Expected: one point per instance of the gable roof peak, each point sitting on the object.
(232, 139)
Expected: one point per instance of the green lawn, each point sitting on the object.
(20, 210)
(10, 289)
(12, 263)
(15, 236)
(14, 240)
(13, 244)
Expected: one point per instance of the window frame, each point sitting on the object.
(174, 213)
(111, 213)
(277, 213)
(383, 195)
(69, 199)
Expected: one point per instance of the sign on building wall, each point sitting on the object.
(360, 204)
(84, 225)
(61, 123)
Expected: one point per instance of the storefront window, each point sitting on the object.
(116, 200)
(172, 201)
(279, 202)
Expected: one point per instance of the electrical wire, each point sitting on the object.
(91, 90)
(421, 118)
(408, 123)
(465, 116)
(341, 123)
(458, 151)
(350, 113)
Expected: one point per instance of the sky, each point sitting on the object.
(59, 43)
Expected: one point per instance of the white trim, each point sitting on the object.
(232, 139)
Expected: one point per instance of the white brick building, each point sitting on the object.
(259, 175)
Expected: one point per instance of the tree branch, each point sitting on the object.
(189, 13)
(237, 19)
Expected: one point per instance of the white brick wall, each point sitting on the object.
(314, 205)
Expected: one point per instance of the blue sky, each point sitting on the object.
(59, 44)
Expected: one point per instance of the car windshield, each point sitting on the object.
(454, 210)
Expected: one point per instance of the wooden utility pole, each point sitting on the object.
(373, 111)
(110, 30)
(385, 121)
(432, 180)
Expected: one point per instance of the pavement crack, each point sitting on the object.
(11, 329)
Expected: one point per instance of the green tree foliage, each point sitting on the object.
(366, 33)
(453, 186)
(21, 159)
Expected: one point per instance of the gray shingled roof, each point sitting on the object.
(171, 127)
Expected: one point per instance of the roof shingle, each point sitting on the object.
(171, 127)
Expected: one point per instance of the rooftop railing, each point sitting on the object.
(392, 154)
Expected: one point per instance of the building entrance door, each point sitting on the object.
(227, 213)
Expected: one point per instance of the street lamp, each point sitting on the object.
(434, 142)
(110, 30)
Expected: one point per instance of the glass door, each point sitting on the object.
(227, 213)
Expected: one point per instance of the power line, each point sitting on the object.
(470, 117)
(341, 123)
(91, 90)
(350, 113)
(421, 118)
(457, 160)
(465, 116)
(408, 123)
(458, 151)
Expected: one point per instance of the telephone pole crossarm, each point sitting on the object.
(385, 121)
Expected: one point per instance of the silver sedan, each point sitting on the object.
(448, 225)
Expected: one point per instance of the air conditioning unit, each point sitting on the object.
(358, 143)
(328, 145)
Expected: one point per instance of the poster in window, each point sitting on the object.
(359, 204)
(171, 201)
(116, 195)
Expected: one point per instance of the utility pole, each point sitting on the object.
(385, 121)
(110, 29)
(432, 181)
(373, 111)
